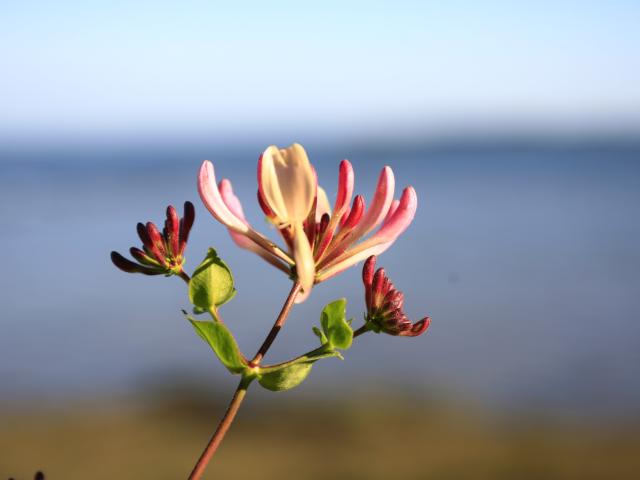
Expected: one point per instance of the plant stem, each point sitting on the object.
(184, 276)
(222, 429)
(277, 326)
(241, 391)
(363, 329)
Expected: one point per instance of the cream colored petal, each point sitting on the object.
(323, 206)
(270, 185)
(288, 182)
(302, 254)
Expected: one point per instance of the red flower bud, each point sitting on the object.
(385, 304)
(172, 230)
(162, 253)
(186, 223)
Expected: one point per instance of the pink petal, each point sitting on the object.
(378, 242)
(392, 210)
(380, 204)
(345, 188)
(230, 200)
(242, 240)
(417, 328)
(355, 214)
(400, 220)
(245, 242)
(344, 237)
(213, 200)
(343, 197)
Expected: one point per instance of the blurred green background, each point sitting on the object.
(518, 124)
(354, 435)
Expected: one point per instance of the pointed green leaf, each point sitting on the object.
(286, 377)
(290, 374)
(335, 326)
(220, 339)
(212, 283)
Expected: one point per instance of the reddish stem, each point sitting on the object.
(277, 326)
(241, 391)
(222, 429)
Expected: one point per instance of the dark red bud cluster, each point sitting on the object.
(385, 304)
(162, 252)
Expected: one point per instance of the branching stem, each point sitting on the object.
(241, 391)
(277, 326)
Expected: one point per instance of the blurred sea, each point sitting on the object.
(525, 255)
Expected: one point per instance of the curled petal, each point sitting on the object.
(417, 328)
(213, 200)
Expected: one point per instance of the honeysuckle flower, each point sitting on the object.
(385, 304)
(320, 242)
(161, 253)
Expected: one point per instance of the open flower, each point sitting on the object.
(385, 304)
(161, 253)
(320, 243)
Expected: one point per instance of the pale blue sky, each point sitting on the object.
(194, 67)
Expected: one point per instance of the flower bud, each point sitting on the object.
(385, 304)
(161, 253)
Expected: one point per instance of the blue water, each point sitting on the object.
(527, 260)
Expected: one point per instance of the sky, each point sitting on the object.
(97, 68)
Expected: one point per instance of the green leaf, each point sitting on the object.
(335, 326)
(320, 334)
(291, 374)
(212, 283)
(220, 339)
(286, 377)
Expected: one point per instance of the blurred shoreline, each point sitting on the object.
(362, 435)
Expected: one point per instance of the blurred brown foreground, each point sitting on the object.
(278, 436)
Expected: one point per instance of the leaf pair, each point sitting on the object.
(212, 285)
(336, 334)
